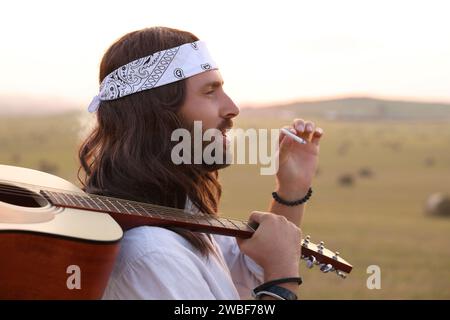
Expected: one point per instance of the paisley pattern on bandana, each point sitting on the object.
(155, 70)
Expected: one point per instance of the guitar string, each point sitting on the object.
(121, 202)
(14, 191)
(167, 210)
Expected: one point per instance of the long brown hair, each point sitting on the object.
(127, 155)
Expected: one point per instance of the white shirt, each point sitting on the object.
(156, 263)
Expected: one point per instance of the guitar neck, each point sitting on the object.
(131, 214)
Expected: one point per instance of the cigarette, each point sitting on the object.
(293, 136)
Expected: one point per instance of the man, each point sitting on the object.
(154, 81)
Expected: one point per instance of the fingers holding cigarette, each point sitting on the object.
(293, 136)
(303, 132)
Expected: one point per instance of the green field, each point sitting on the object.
(378, 220)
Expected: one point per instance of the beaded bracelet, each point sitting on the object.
(292, 203)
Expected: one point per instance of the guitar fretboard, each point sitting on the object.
(150, 213)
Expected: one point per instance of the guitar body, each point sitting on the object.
(51, 252)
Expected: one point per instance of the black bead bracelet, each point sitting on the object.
(292, 203)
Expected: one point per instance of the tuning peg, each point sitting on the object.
(321, 246)
(306, 241)
(341, 274)
(310, 262)
(325, 268)
(336, 254)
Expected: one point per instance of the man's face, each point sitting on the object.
(206, 101)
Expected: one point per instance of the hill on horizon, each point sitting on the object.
(356, 108)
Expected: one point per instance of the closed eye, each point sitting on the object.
(211, 87)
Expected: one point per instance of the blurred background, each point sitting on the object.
(374, 74)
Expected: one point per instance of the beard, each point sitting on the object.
(218, 151)
(222, 160)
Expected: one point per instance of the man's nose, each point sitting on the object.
(229, 108)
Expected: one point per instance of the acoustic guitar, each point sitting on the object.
(50, 230)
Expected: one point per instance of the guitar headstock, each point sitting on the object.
(327, 260)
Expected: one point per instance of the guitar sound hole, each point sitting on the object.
(21, 197)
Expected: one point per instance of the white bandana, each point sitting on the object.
(155, 70)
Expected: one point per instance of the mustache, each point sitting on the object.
(222, 126)
(225, 124)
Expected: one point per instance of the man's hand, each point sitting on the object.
(275, 245)
(298, 162)
(296, 168)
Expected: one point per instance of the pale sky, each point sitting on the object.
(267, 51)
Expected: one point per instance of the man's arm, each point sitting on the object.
(297, 167)
(293, 214)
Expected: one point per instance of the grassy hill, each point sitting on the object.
(357, 109)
